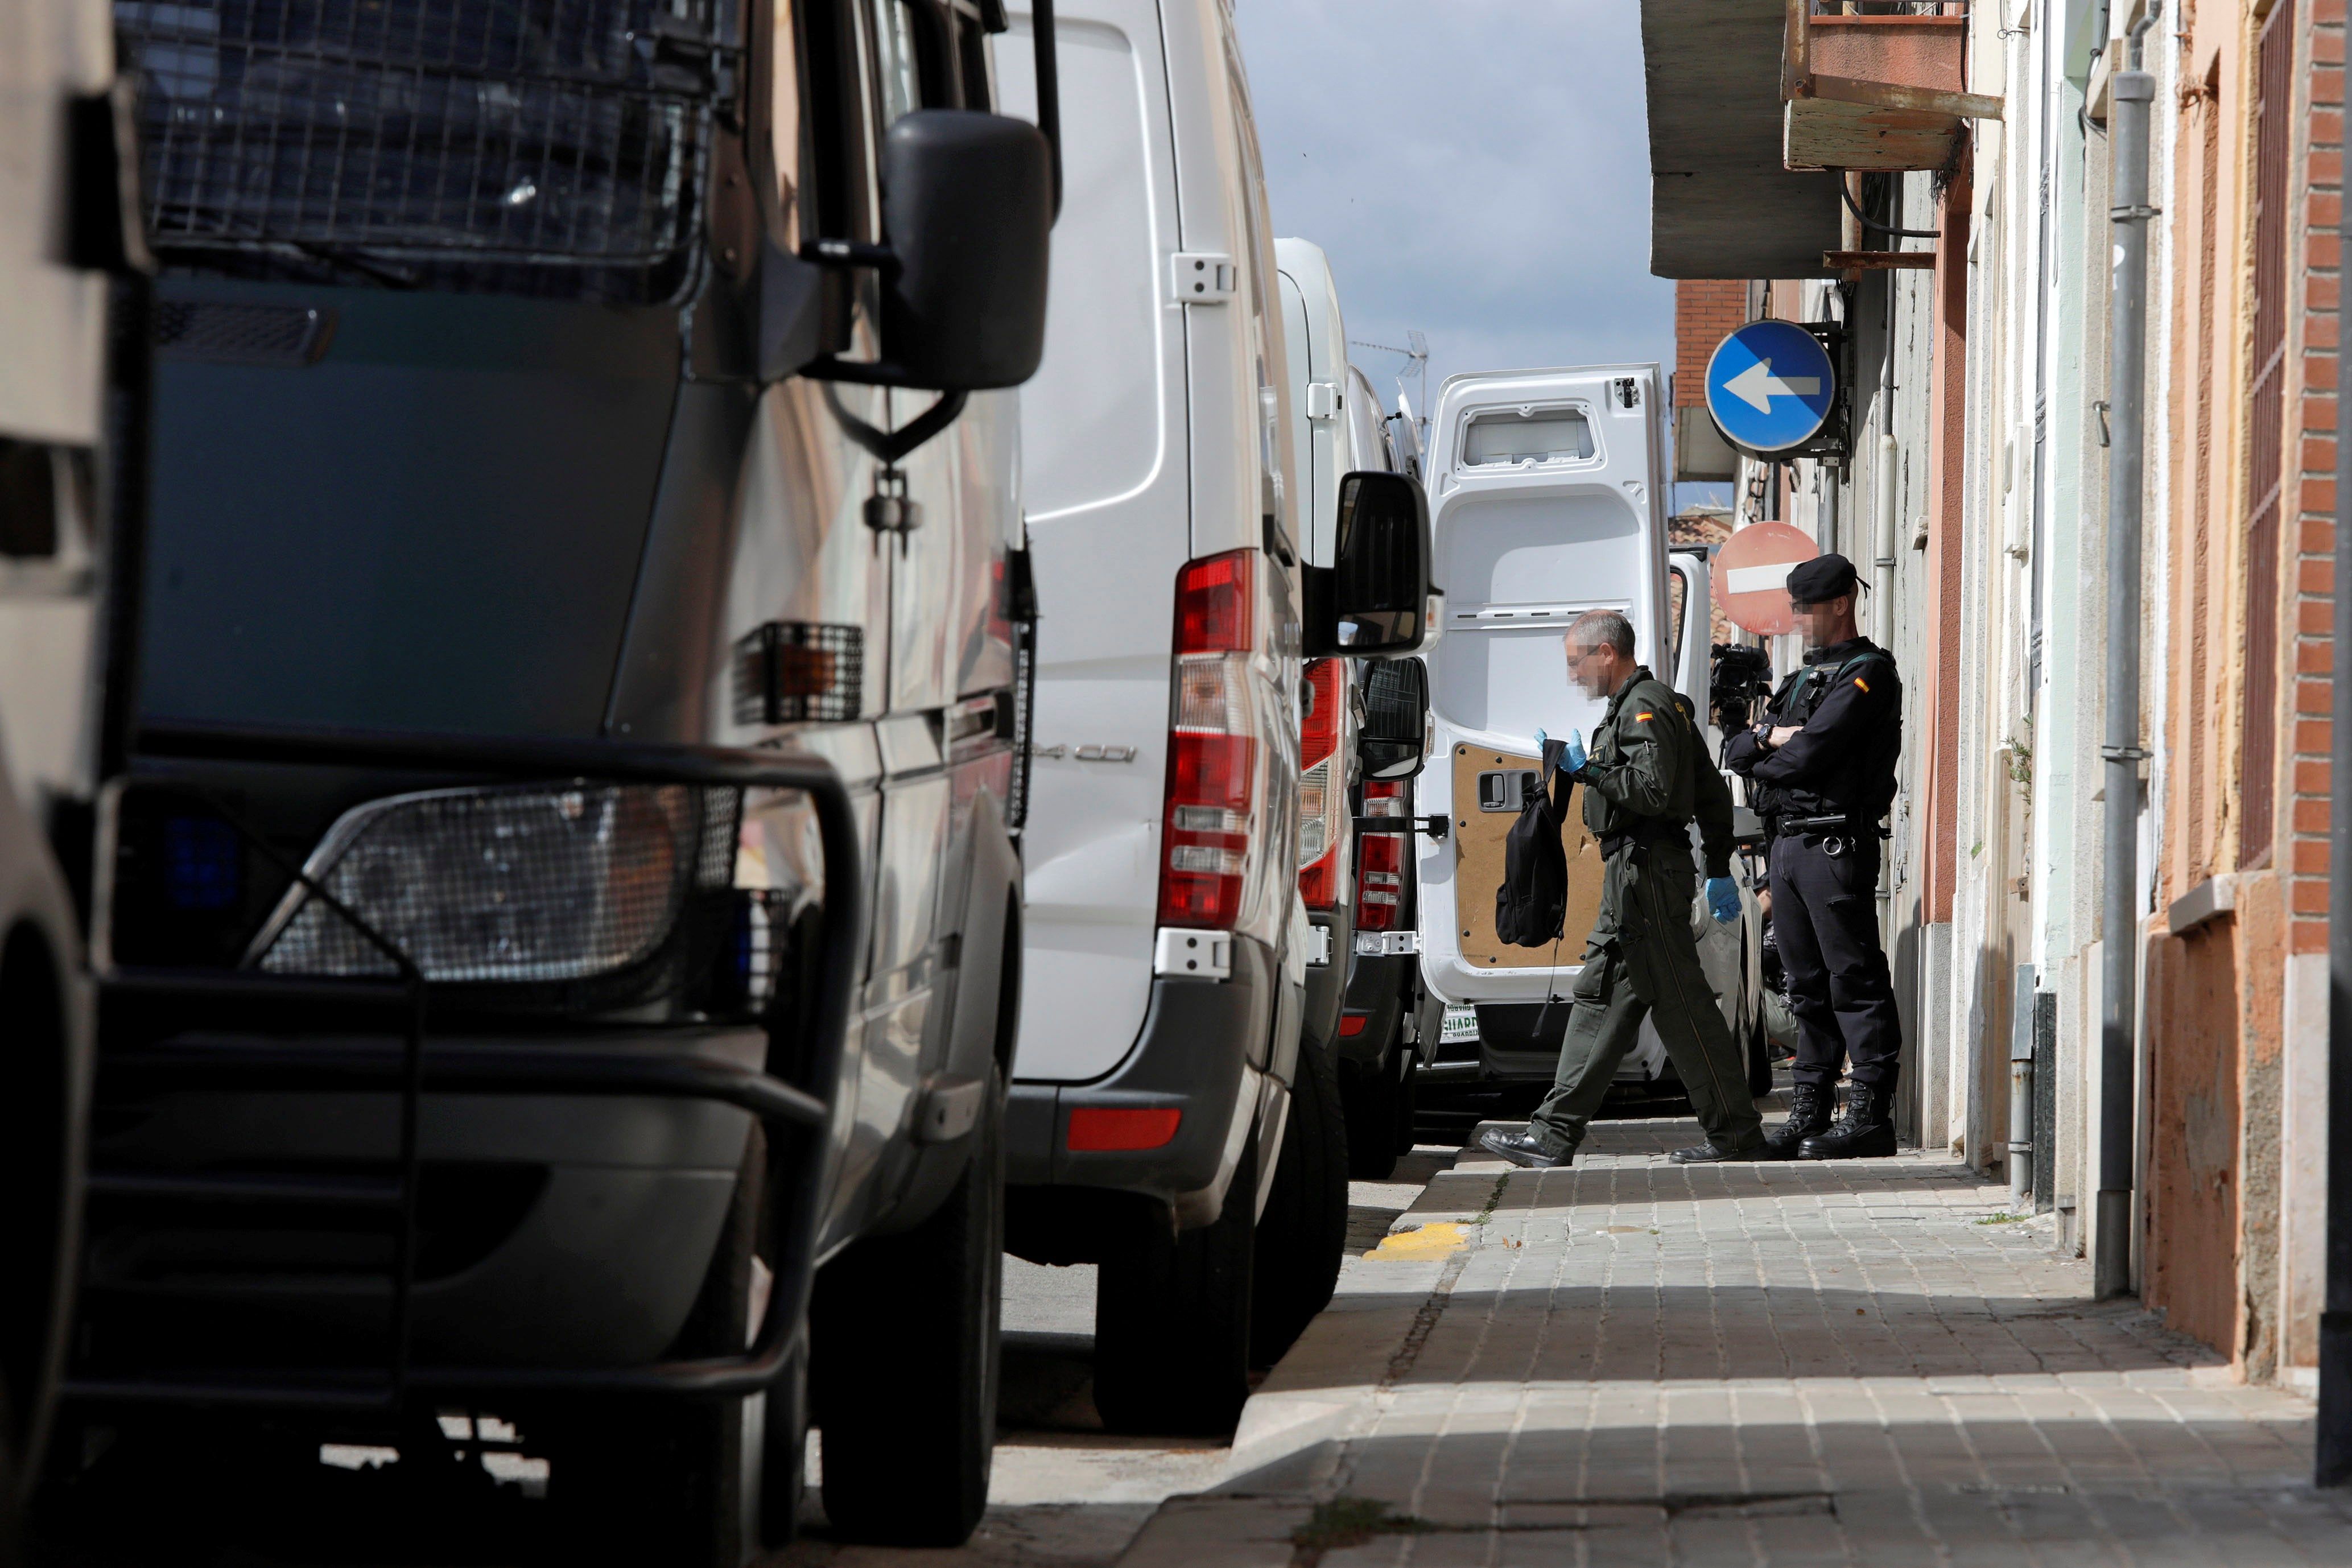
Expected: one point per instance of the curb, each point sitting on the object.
(1294, 1430)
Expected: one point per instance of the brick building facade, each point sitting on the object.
(1976, 478)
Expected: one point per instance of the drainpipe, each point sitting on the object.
(1882, 576)
(2335, 1433)
(1881, 544)
(2131, 93)
(2020, 1091)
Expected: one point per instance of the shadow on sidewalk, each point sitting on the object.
(1676, 1472)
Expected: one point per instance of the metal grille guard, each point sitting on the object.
(795, 1170)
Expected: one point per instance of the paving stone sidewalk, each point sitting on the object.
(1858, 1362)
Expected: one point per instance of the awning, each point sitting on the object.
(1721, 204)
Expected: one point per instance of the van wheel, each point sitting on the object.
(783, 1456)
(1305, 1226)
(1172, 1323)
(1760, 1057)
(40, 1160)
(665, 1483)
(1370, 1096)
(1407, 1104)
(904, 1374)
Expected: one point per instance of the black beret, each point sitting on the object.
(1822, 577)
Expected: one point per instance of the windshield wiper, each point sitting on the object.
(225, 238)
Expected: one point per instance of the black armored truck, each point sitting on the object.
(555, 898)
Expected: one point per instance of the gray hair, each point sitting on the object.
(1595, 628)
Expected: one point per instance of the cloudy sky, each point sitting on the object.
(1477, 169)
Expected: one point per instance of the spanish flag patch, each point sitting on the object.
(1861, 682)
(1643, 717)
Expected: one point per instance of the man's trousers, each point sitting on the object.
(1825, 918)
(1642, 962)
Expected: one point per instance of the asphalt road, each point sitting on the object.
(1066, 1492)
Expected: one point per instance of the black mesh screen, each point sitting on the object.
(552, 147)
(791, 672)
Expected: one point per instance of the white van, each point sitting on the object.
(1548, 499)
(1324, 445)
(1164, 1122)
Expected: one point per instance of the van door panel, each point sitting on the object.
(903, 976)
(1478, 835)
(1549, 509)
(1105, 480)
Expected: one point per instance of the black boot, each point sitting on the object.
(1863, 1130)
(1708, 1155)
(1809, 1116)
(1524, 1149)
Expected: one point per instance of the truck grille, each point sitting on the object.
(538, 146)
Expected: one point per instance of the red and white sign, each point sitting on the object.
(1751, 574)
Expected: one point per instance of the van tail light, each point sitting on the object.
(1322, 788)
(1210, 824)
(1116, 1127)
(1380, 859)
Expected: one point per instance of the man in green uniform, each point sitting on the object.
(1646, 776)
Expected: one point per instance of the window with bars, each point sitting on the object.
(550, 147)
(2266, 454)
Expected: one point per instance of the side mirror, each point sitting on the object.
(968, 213)
(967, 203)
(1375, 602)
(1395, 735)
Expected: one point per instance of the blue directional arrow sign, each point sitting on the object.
(1769, 386)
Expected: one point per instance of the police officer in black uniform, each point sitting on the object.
(1820, 766)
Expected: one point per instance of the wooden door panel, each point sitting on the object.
(1478, 837)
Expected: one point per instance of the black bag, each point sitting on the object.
(1533, 900)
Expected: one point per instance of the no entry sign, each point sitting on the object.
(1751, 571)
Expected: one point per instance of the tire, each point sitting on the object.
(12, 1514)
(1305, 1226)
(1372, 1099)
(1172, 1323)
(662, 1483)
(784, 1457)
(40, 1155)
(904, 1370)
(1407, 1106)
(1760, 1057)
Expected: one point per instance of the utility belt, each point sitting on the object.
(1839, 833)
(1637, 839)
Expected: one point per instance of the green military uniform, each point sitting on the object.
(1647, 776)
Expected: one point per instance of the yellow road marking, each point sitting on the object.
(1425, 1241)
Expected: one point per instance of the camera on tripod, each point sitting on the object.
(1740, 677)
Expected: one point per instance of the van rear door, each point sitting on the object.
(1105, 485)
(1547, 501)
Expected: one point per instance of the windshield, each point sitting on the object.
(548, 147)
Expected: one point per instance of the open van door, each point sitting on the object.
(1548, 500)
(1732, 955)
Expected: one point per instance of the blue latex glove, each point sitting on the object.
(1723, 899)
(1572, 763)
(1540, 739)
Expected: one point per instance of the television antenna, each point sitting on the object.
(1416, 363)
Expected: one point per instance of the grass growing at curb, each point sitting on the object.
(2002, 1216)
(1346, 1521)
(1493, 1200)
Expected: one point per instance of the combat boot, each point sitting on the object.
(1809, 1116)
(1526, 1149)
(1863, 1130)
